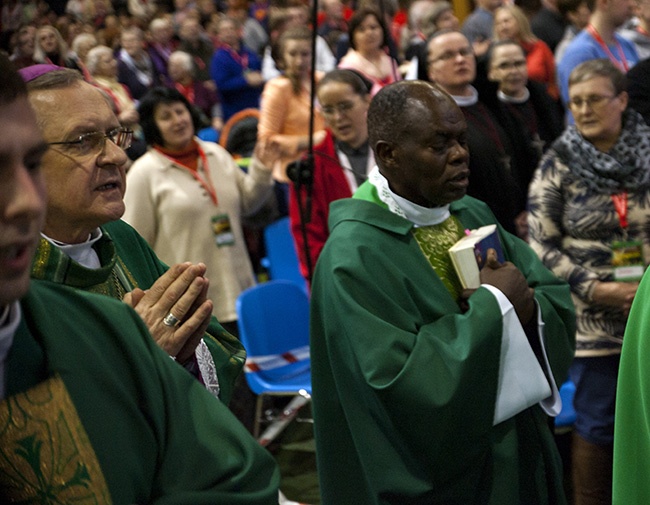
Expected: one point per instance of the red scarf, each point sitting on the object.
(188, 157)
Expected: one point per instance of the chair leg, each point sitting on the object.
(258, 414)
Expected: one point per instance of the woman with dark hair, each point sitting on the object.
(186, 198)
(367, 54)
(286, 101)
(341, 162)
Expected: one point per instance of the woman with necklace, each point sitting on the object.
(286, 101)
(341, 162)
(367, 55)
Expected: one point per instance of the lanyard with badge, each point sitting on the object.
(220, 222)
(627, 255)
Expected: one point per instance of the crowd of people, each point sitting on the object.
(414, 126)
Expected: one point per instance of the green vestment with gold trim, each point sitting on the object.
(405, 381)
(96, 413)
(127, 262)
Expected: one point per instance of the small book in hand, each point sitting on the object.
(468, 255)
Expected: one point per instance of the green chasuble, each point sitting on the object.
(96, 413)
(128, 262)
(632, 427)
(405, 383)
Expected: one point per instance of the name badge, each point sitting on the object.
(223, 234)
(627, 260)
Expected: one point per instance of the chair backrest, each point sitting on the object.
(273, 321)
(567, 417)
(239, 134)
(281, 256)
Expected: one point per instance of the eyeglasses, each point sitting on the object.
(94, 142)
(509, 65)
(449, 55)
(594, 102)
(341, 108)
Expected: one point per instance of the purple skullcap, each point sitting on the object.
(32, 72)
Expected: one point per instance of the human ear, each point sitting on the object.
(385, 152)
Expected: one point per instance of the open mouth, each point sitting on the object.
(461, 179)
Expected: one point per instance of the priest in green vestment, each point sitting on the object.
(631, 485)
(425, 393)
(92, 411)
(87, 246)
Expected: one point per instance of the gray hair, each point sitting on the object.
(184, 59)
(159, 23)
(81, 39)
(601, 67)
(57, 79)
(93, 56)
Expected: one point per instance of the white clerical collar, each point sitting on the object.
(83, 253)
(9, 320)
(416, 214)
(466, 101)
(511, 99)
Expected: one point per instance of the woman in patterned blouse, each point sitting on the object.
(589, 221)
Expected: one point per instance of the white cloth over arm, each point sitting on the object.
(522, 382)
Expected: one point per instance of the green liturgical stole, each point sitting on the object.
(434, 242)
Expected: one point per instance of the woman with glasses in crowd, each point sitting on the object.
(510, 23)
(341, 162)
(589, 221)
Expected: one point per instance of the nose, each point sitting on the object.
(112, 154)
(458, 153)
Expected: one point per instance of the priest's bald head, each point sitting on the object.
(419, 137)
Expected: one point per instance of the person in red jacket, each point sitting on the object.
(341, 162)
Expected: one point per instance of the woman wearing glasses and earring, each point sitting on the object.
(525, 111)
(589, 221)
(341, 162)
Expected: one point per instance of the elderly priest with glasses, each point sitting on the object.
(91, 410)
(85, 245)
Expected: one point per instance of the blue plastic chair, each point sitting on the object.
(567, 417)
(281, 258)
(273, 321)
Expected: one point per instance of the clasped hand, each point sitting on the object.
(511, 282)
(181, 291)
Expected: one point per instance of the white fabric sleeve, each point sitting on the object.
(522, 382)
(207, 368)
